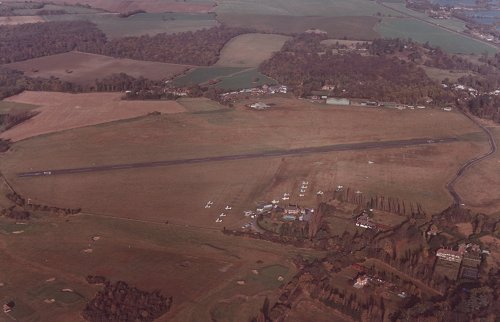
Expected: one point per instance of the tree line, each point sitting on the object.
(26, 41)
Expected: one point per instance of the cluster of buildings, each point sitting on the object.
(287, 213)
(362, 279)
(365, 220)
(254, 92)
(463, 262)
(317, 97)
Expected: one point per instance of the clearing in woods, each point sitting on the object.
(83, 68)
(250, 50)
(417, 173)
(63, 111)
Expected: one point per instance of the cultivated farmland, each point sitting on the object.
(115, 26)
(17, 20)
(422, 32)
(62, 111)
(351, 27)
(84, 68)
(178, 194)
(250, 50)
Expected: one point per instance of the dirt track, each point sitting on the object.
(274, 153)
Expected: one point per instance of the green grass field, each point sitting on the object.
(422, 32)
(351, 27)
(246, 79)
(326, 8)
(205, 74)
(453, 23)
(144, 23)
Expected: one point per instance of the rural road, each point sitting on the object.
(267, 154)
(450, 186)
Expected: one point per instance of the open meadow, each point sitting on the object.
(179, 193)
(250, 50)
(63, 111)
(83, 68)
(18, 20)
(191, 265)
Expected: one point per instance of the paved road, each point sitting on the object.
(267, 154)
(457, 200)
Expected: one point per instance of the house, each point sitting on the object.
(361, 281)
(292, 210)
(449, 255)
(471, 259)
(328, 88)
(364, 221)
(260, 106)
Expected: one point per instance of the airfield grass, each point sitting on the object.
(250, 50)
(191, 265)
(350, 27)
(84, 68)
(178, 194)
(245, 79)
(144, 23)
(69, 10)
(479, 184)
(205, 74)
(422, 32)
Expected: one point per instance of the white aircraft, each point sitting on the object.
(303, 187)
(275, 201)
(320, 192)
(305, 182)
(222, 215)
(301, 195)
(302, 190)
(370, 162)
(207, 206)
(285, 198)
(228, 208)
(358, 192)
(218, 220)
(286, 194)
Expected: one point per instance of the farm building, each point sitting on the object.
(338, 101)
(449, 255)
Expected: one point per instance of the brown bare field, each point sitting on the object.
(83, 68)
(479, 185)
(19, 20)
(63, 111)
(191, 265)
(439, 75)
(178, 194)
(359, 27)
(147, 5)
(465, 228)
(250, 50)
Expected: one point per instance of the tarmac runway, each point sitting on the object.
(265, 154)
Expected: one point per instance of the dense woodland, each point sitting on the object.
(306, 64)
(119, 302)
(26, 41)
(201, 47)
